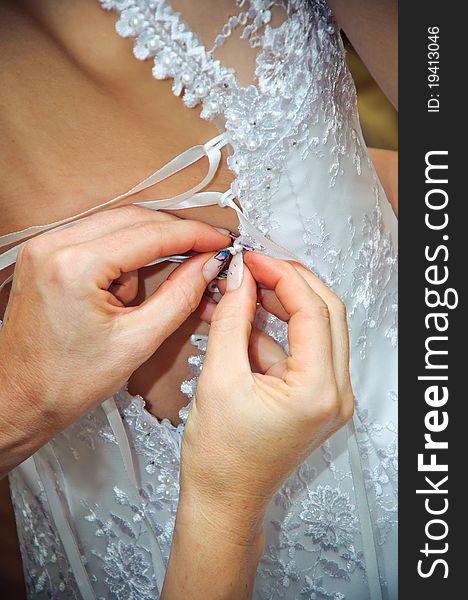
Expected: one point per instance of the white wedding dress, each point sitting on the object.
(95, 507)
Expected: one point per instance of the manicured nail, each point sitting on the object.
(223, 274)
(235, 272)
(213, 266)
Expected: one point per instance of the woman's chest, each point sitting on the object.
(82, 121)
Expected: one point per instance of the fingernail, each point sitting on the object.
(213, 266)
(235, 272)
(223, 274)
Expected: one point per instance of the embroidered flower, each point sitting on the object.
(127, 573)
(329, 517)
(375, 263)
(313, 590)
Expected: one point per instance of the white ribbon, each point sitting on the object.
(193, 198)
(48, 468)
(188, 199)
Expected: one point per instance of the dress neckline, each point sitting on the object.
(264, 122)
(139, 403)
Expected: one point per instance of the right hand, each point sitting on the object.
(249, 428)
(68, 342)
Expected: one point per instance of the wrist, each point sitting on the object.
(238, 521)
(24, 384)
(24, 427)
(214, 553)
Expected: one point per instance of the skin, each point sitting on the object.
(372, 28)
(105, 124)
(87, 161)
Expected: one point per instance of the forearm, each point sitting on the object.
(24, 428)
(386, 165)
(212, 557)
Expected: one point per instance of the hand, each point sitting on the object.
(68, 341)
(248, 430)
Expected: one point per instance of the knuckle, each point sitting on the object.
(61, 263)
(289, 268)
(33, 250)
(187, 299)
(322, 309)
(323, 408)
(132, 211)
(222, 325)
(150, 229)
(294, 264)
(228, 322)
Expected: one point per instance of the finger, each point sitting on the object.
(107, 221)
(125, 288)
(206, 309)
(309, 332)
(231, 326)
(267, 298)
(270, 302)
(169, 306)
(339, 337)
(103, 223)
(138, 244)
(264, 351)
(338, 326)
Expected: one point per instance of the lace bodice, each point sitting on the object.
(306, 188)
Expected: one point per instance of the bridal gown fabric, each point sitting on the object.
(95, 507)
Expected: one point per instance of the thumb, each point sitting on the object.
(231, 324)
(168, 307)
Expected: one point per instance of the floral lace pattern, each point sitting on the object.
(295, 130)
(266, 120)
(328, 523)
(372, 263)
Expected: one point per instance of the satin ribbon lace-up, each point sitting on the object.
(192, 198)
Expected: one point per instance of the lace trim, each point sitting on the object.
(252, 20)
(160, 33)
(158, 440)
